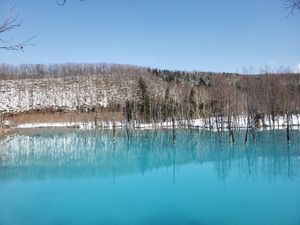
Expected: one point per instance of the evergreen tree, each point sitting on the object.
(144, 100)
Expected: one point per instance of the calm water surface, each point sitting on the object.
(88, 177)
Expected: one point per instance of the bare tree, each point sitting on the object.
(9, 23)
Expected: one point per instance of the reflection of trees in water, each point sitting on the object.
(269, 158)
(38, 154)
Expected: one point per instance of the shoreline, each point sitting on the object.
(214, 124)
(5, 132)
(140, 126)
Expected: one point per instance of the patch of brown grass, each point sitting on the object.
(49, 117)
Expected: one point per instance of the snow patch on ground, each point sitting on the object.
(238, 122)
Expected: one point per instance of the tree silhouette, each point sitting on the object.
(9, 23)
(292, 5)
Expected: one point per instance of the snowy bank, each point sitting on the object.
(214, 123)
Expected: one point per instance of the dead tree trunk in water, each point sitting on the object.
(253, 127)
(222, 129)
(209, 122)
(273, 120)
(96, 117)
(173, 126)
(231, 134)
(127, 131)
(174, 132)
(287, 110)
(288, 128)
(114, 124)
(217, 124)
(248, 124)
(128, 117)
(248, 121)
(134, 113)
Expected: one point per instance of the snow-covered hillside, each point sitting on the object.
(70, 93)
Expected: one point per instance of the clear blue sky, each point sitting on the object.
(220, 35)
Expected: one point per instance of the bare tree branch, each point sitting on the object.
(10, 45)
(291, 5)
(9, 23)
(63, 2)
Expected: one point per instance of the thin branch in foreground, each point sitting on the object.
(291, 5)
(10, 23)
(19, 46)
(63, 2)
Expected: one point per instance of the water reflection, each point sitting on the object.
(66, 153)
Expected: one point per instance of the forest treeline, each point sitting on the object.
(186, 95)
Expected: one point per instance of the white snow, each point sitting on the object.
(239, 122)
(63, 93)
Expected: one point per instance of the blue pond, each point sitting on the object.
(70, 176)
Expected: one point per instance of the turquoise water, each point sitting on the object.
(88, 177)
